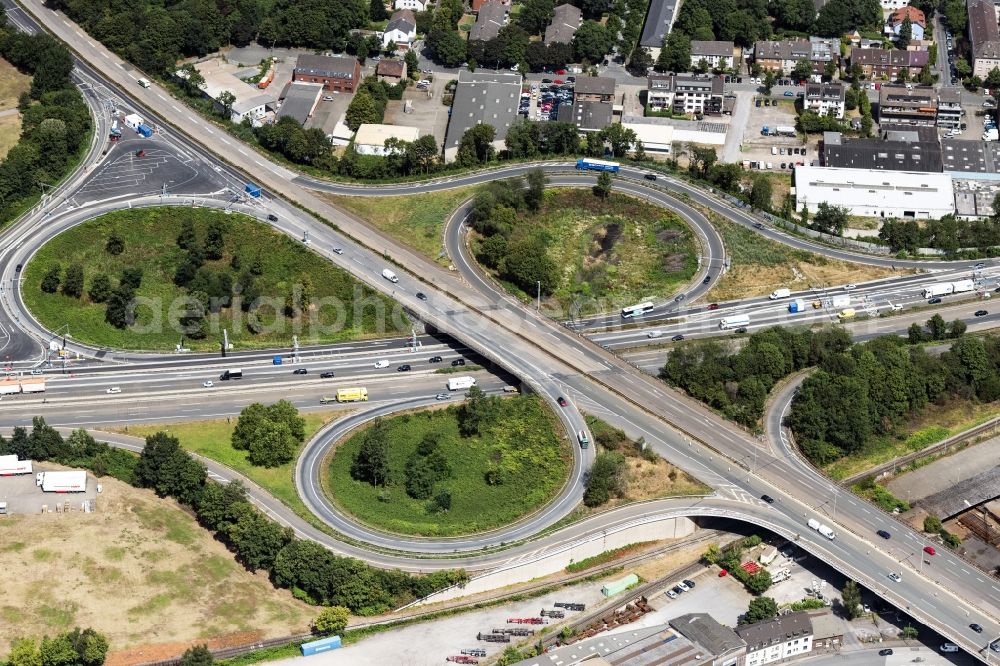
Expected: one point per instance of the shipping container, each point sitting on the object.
(619, 585)
(252, 190)
(8, 386)
(798, 305)
(322, 645)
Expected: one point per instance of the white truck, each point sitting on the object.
(736, 321)
(780, 293)
(33, 385)
(460, 383)
(62, 482)
(945, 288)
(10, 465)
(827, 532)
(9, 386)
(991, 134)
(839, 302)
(389, 275)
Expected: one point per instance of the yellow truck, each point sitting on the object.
(846, 314)
(357, 394)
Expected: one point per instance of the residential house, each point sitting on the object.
(685, 93)
(594, 89)
(401, 29)
(780, 57)
(984, 37)
(370, 138)
(492, 16)
(476, 5)
(887, 64)
(918, 23)
(892, 5)
(773, 640)
(826, 99)
(822, 52)
(907, 105)
(718, 55)
(390, 71)
(413, 5)
(566, 19)
(336, 73)
(482, 97)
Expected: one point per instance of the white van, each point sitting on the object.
(827, 532)
(780, 293)
(382, 364)
(655, 334)
(774, 151)
(389, 275)
(143, 82)
(114, 389)
(813, 524)
(949, 647)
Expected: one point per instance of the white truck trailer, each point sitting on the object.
(10, 465)
(460, 383)
(945, 288)
(33, 385)
(62, 482)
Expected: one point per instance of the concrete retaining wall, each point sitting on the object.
(536, 565)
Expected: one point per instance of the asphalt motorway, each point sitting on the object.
(552, 359)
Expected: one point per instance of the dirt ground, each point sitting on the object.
(142, 572)
(756, 280)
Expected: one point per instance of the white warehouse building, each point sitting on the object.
(875, 193)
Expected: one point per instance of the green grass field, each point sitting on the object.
(212, 440)
(614, 252)
(416, 220)
(342, 308)
(533, 456)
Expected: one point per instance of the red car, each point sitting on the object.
(930, 550)
(713, 306)
(559, 81)
(562, 401)
(723, 573)
(560, 71)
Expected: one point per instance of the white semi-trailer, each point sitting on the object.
(33, 385)
(62, 482)
(458, 383)
(945, 288)
(10, 465)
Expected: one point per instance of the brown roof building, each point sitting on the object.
(337, 73)
(876, 63)
(391, 71)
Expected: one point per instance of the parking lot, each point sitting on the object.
(427, 113)
(23, 497)
(545, 98)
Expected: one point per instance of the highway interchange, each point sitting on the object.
(551, 359)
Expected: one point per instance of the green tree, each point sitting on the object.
(758, 583)
(52, 278)
(608, 477)
(909, 631)
(535, 192)
(851, 600)
(169, 470)
(58, 651)
(592, 42)
(362, 110)
(802, 69)
(915, 334)
(258, 540)
(905, 34)
(198, 655)
(215, 239)
(621, 139)
(412, 64)
(535, 15)
(640, 61)
(442, 501)
(448, 47)
(759, 610)
(331, 621)
(769, 80)
(115, 245)
(371, 462)
(377, 11)
(957, 329)
(937, 327)
(272, 446)
(831, 219)
(72, 284)
(993, 79)
(675, 56)
(604, 184)
(90, 646)
(118, 311)
(761, 192)
(476, 145)
(24, 652)
(226, 100)
(962, 67)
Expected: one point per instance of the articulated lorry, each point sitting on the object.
(62, 482)
(945, 288)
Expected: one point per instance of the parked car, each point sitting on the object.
(789, 93)
(671, 594)
(457, 362)
(981, 313)
(689, 583)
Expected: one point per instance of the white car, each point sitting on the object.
(338, 250)
(895, 577)
(382, 364)
(36, 371)
(671, 594)
(683, 586)
(208, 384)
(654, 334)
(442, 396)
(114, 389)
(849, 287)
(949, 647)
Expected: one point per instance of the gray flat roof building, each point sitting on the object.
(299, 100)
(959, 156)
(566, 19)
(491, 18)
(704, 630)
(587, 116)
(483, 97)
(659, 20)
(902, 148)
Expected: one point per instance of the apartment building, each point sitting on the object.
(718, 55)
(826, 99)
(885, 63)
(907, 105)
(984, 37)
(685, 93)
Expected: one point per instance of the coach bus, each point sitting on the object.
(635, 310)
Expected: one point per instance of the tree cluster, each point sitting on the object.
(404, 158)
(43, 442)
(704, 163)
(426, 467)
(738, 384)
(759, 610)
(511, 245)
(289, 138)
(370, 99)
(948, 233)
(269, 434)
(55, 121)
(810, 122)
(155, 36)
(608, 477)
(528, 139)
(874, 388)
(731, 556)
(79, 647)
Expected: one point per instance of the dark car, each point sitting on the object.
(884, 534)
(885, 652)
(678, 590)
(758, 225)
(421, 295)
(708, 278)
(650, 176)
(562, 401)
(272, 218)
(713, 306)
(326, 375)
(981, 313)
(679, 297)
(689, 583)
(677, 338)
(300, 371)
(934, 301)
(767, 498)
(978, 628)
(741, 329)
(20, 266)
(457, 362)
(403, 368)
(434, 359)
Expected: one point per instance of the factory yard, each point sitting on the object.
(139, 570)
